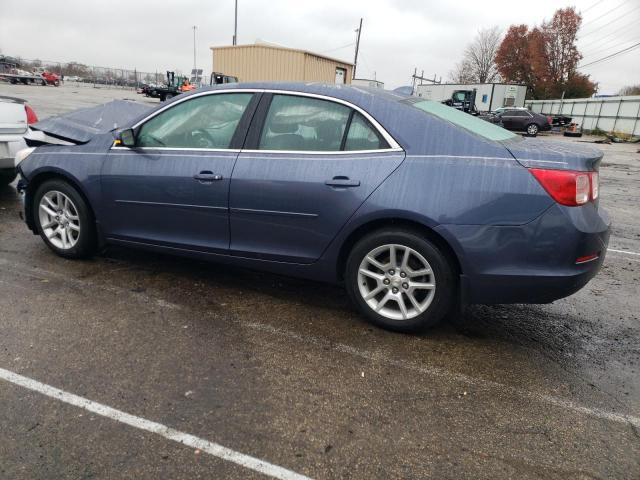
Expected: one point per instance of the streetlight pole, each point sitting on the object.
(194, 49)
(235, 26)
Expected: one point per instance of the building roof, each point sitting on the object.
(279, 47)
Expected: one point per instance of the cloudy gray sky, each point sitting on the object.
(397, 36)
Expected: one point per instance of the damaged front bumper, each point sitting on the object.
(25, 212)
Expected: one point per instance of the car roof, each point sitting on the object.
(349, 93)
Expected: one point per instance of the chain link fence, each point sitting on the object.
(82, 75)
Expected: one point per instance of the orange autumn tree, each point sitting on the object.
(545, 58)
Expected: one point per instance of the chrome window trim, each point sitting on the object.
(394, 146)
(323, 152)
(179, 149)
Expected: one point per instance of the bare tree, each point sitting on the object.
(630, 90)
(478, 61)
(463, 73)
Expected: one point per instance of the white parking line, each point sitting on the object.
(622, 251)
(211, 448)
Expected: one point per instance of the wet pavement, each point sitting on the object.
(286, 371)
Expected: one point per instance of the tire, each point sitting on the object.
(43, 83)
(78, 242)
(7, 176)
(532, 129)
(431, 303)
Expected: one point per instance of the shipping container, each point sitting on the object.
(489, 96)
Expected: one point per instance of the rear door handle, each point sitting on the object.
(342, 181)
(207, 176)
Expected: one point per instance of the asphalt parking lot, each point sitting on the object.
(139, 365)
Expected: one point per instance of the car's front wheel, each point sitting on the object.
(64, 220)
(532, 129)
(400, 280)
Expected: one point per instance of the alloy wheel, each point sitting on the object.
(396, 281)
(59, 219)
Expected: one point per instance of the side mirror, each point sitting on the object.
(127, 138)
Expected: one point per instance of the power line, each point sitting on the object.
(611, 56)
(604, 14)
(609, 23)
(619, 43)
(622, 36)
(339, 48)
(624, 28)
(593, 5)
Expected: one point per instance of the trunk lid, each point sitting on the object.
(13, 117)
(554, 154)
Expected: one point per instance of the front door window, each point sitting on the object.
(208, 121)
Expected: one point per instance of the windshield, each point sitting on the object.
(473, 124)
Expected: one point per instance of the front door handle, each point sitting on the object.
(207, 176)
(341, 181)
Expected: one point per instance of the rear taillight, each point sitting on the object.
(31, 115)
(550, 120)
(568, 187)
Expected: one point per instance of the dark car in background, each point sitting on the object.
(522, 120)
(414, 206)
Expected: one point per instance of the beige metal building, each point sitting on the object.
(265, 62)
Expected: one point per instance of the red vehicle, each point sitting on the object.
(49, 78)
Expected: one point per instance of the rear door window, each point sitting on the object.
(516, 113)
(304, 124)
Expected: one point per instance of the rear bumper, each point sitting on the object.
(537, 288)
(532, 263)
(8, 150)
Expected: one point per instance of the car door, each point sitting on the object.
(508, 119)
(519, 119)
(310, 163)
(172, 189)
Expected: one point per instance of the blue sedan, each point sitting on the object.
(415, 207)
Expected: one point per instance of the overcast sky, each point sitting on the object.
(397, 35)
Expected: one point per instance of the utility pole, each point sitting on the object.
(235, 26)
(194, 48)
(355, 60)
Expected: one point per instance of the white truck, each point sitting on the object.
(15, 118)
(488, 96)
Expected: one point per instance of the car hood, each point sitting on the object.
(554, 154)
(80, 126)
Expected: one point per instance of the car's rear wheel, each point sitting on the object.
(399, 280)
(64, 220)
(532, 129)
